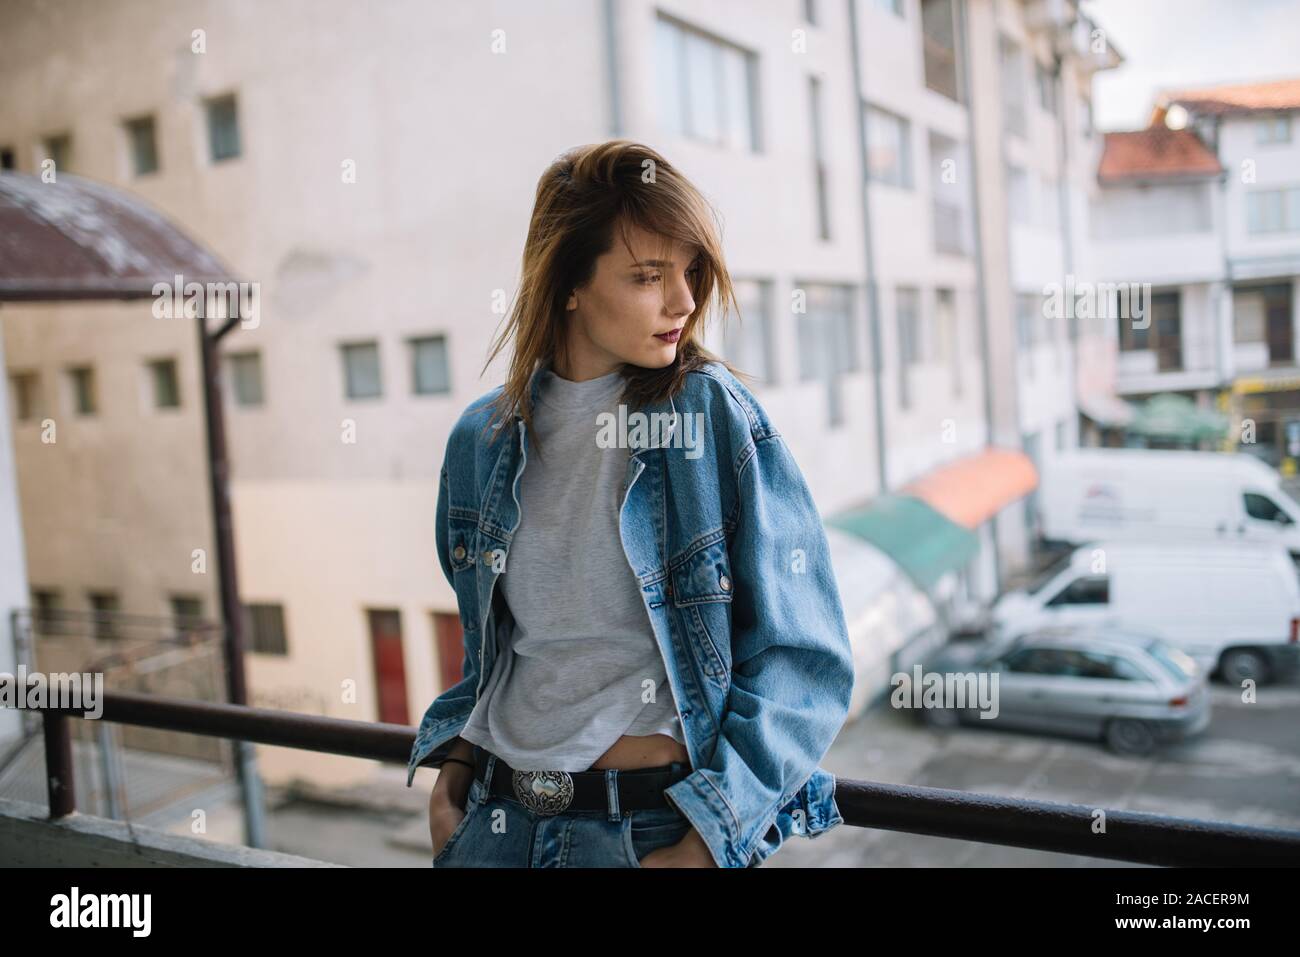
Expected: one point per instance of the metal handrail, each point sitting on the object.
(1132, 836)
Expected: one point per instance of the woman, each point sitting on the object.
(655, 653)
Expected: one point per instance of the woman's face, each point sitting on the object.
(631, 301)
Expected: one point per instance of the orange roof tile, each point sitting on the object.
(1237, 98)
(1155, 153)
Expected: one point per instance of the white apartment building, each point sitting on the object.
(372, 168)
(1208, 212)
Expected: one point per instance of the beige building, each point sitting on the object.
(371, 168)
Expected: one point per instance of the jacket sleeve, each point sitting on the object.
(792, 666)
(442, 535)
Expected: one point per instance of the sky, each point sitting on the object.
(1189, 43)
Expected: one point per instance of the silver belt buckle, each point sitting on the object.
(543, 792)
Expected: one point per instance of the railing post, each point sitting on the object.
(58, 763)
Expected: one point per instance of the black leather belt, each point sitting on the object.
(554, 792)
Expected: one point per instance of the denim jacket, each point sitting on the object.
(735, 573)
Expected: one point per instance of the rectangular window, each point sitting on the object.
(264, 629)
(431, 373)
(891, 6)
(747, 339)
(1018, 199)
(143, 145)
(828, 346)
(819, 158)
(246, 377)
(1046, 88)
(6, 157)
(25, 387)
(81, 382)
(945, 319)
(1028, 319)
(1273, 210)
(166, 392)
(908, 314)
(889, 151)
(939, 48)
(1163, 332)
(105, 606)
(810, 11)
(1013, 87)
(223, 127)
(950, 198)
(46, 619)
(361, 370)
(1273, 129)
(187, 613)
(707, 88)
(59, 149)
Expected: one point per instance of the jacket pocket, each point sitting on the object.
(702, 589)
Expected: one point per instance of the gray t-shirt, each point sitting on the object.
(582, 658)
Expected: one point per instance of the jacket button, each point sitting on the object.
(725, 582)
(459, 553)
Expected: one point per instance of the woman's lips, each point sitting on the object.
(669, 336)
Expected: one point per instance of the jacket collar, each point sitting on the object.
(663, 407)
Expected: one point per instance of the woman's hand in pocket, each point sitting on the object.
(444, 818)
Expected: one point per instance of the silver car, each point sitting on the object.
(1128, 688)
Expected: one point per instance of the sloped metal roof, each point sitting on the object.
(79, 239)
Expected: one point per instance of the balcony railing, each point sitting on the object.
(1012, 822)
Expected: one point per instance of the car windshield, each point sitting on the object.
(1045, 576)
(1178, 663)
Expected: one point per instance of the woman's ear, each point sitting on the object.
(573, 301)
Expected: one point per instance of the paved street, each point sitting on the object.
(1245, 769)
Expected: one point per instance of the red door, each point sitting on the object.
(390, 667)
(451, 647)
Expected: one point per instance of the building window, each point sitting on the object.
(1163, 332)
(264, 629)
(828, 342)
(223, 127)
(143, 144)
(104, 605)
(950, 198)
(1027, 320)
(46, 617)
(26, 390)
(889, 151)
(1085, 117)
(1046, 88)
(1060, 436)
(59, 149)
(939, 43)
(1273, 129)
(361, 370)
(945, 321)
(1013, 87)
(431, 371)
(187, 613)
(747, 338)
(1018, 200)
(6, 157)
(819, 158)
(166, 391)
(81, 382)
(810, 11)
(1273, 210)
(246, 377)
(891, 6)
(707, 88)
(907, 306)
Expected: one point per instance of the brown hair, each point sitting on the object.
(583, 198)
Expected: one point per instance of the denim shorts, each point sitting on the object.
(498, 831)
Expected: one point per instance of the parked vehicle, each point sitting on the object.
(1130, 689)
(1141, 494)
(1235, 608)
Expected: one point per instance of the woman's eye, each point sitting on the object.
(649, 280)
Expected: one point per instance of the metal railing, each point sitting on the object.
(938, 812)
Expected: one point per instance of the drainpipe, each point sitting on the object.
(963, 52)
(873, 295)
(611, 69)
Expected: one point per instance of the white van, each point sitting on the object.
(1233, 607)
(1140, 494)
